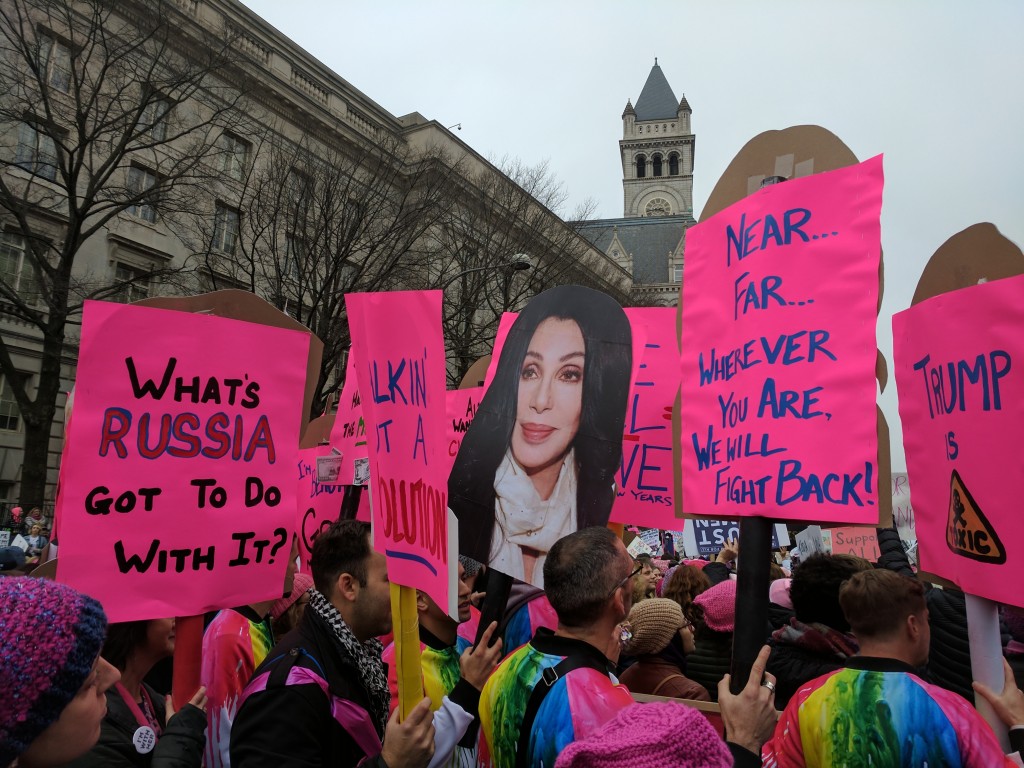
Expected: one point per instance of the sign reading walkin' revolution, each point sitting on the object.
(178, 491)
(778, 352)
(399, 349)
(961, 398)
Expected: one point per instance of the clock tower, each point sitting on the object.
(657, 152)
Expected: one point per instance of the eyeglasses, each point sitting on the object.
(622, 583)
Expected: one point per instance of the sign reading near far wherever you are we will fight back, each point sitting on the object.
(178, 489)
(778, 352)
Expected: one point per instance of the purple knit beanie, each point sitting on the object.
(661, 735)
(719, 605)
(50, 636)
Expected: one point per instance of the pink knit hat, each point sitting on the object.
(778, 593)
(661, 735)
(301, 585)
(719, 605)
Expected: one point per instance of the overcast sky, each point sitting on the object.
(936, 86)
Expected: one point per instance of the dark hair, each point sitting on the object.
(580, 574)
(877, 602)
(122, 639)
(775, 572)
(644, 559)
(343, 548)
(598, 442)
(686, 582)
(815, 588)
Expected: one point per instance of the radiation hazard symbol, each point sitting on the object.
(968, 531)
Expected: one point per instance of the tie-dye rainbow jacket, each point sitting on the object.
(441, 677)
(236, 642)
(878, 713)
(578, 703)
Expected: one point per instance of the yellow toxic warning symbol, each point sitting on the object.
(968, 531)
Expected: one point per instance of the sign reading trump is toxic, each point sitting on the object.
(778, 352)
(961, 398)
(179, 490)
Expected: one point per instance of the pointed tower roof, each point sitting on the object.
(656, 102)
(684, 104)
(629, 108)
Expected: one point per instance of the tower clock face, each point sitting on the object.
(657, 207)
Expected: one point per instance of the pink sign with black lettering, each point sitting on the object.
(178, 491)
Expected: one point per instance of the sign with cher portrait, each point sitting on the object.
(540, 459)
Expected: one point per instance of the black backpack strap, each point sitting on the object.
(540, 691)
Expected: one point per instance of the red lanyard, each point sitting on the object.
(133, 706)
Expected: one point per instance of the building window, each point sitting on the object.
(673, 164)
(134, 284)
(677, 272)
(16, 267)
(225, 229)
(141, 181)
(54, 63)
(297, 187)
(641, 166)
(294, 257)
(153, 119)
(657, 165)
(234, 155)
(10, 414)
(36, 152)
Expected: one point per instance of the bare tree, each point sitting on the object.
(316, 222)
(508, 216)
(107, 110)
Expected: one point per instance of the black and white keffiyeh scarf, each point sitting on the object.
(366, 656)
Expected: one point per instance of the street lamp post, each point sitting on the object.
(518, 263)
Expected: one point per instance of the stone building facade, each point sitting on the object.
(657, 153)
(290, 99)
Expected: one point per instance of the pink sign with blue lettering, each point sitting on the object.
(778, 352)
(399, 349)
(960, 376)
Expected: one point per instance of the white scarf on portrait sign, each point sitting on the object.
(523, 519)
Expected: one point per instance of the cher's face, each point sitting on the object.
(550, 395)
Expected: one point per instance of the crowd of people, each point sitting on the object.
(864, 664)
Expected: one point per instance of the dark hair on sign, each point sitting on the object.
(581, 572)
(815, 588)
(122, 640)
(343, 548)
(598, 442)
(877, 603)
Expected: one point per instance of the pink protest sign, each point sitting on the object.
(862, 542)
(504, 326)
(778, 352)
(348, 434)
(644, 479)
(961, 396)
(179, 488)
(317, 504)
(460, 408)
(399, 348)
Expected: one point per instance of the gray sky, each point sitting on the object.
(936, 86)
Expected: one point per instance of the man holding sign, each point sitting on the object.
(322, 698)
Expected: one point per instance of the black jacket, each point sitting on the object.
(710, 660)
(793, 665)
(292, 724)
(180, 745)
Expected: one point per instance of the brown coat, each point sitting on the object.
(649, 672)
